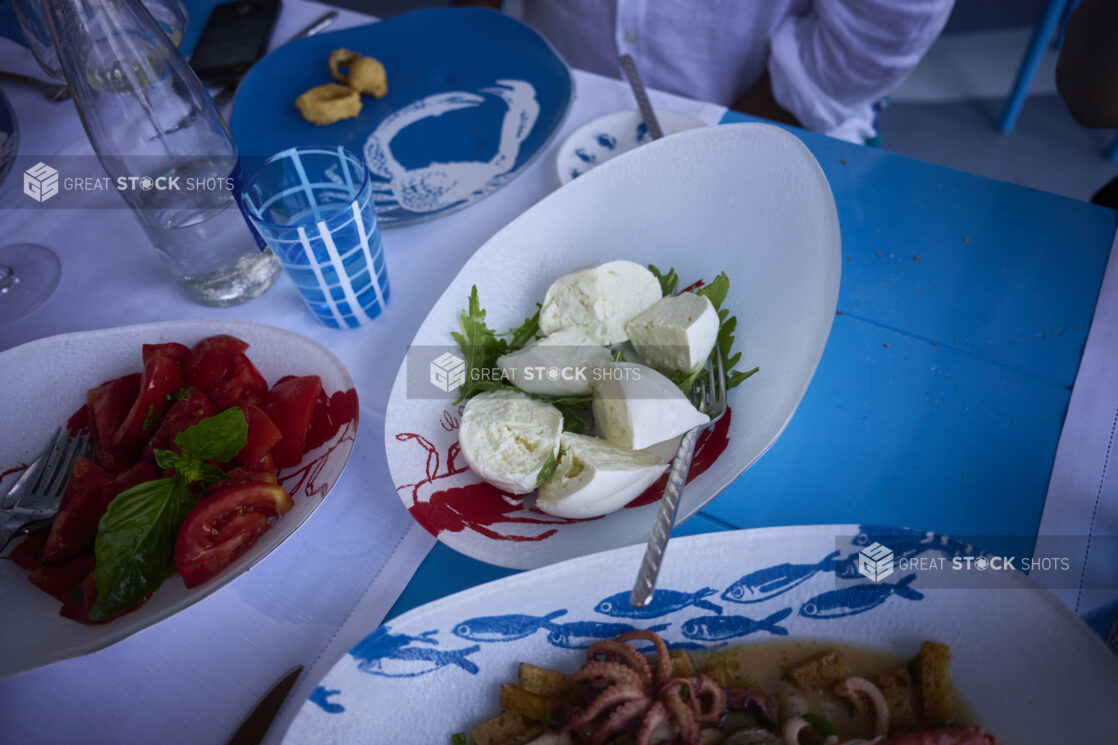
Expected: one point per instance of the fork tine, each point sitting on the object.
(53, 453)
(75, 446)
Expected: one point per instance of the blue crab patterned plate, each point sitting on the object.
(437, 670)
(473, 97)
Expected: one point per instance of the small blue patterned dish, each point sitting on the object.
(608, 136)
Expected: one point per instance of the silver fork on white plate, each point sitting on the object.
(708, 394)
(38, 492)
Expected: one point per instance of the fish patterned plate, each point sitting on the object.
(474, 96)
(54, 373)
(745, 199)
(437, 669)
(608, 136)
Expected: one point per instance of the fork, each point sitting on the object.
(38, 492)
(709, 396)
(54, 92)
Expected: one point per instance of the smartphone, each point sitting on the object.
(235, 37)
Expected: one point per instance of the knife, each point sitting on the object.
(629, 66)
(256, 724)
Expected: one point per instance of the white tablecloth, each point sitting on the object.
(193, 677)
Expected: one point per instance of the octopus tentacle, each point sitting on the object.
(682, 713)
(656, 716)
(632, 657)
(614, 672)
(619, 720)
(747, 699)
(663, 660)
(607, 698)
(703, 685)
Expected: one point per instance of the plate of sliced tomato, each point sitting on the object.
(211, 442)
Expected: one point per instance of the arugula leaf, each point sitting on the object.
(717, 292)
(820, 725)
(549, 467)
(668, 282)
(219, 437)
(459, 738)
(526, 332)
(619, 355)
(136, 542)
(481, 346)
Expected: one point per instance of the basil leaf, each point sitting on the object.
(208, 472)
(716, 291)
(219, 437)
(459, 738)
(136, 542)
(167, 459)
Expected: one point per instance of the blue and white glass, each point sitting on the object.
(313, 206)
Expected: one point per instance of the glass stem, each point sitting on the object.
(8, 278)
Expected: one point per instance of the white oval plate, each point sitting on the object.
(45, 381)
(747, 199)
(1015, 649)
(611, 135)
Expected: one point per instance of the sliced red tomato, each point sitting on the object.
(290, 405)
(330, 415)
(263, 434)
(211, 359)
(61, 580)
(162, 378)
(263, 473)
(142, 471)
(179, 353)
(28, 553)
(223, 527)
(191, 408)
(108, 404)
(242, 383)
(85, 500)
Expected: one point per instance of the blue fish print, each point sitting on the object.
(581, 634)
(720, 628)
(903, 542)
(584, 156)
(321, 697)
(575, 173)
(849, 601)
(663, 603)
(412, 662)
(772, 581)
(505, 628)
(608, 141)
(383, 642)
(642, 133)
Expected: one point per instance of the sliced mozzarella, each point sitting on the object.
(594, 478)
(562, 364)
(600, 300)
(676, 334)
(635, 406)
(506, 437)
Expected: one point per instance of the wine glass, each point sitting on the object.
(28, 272)
(169, 15)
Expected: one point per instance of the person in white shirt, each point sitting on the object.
(820, 64)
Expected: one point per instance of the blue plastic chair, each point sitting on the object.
(1052, 20)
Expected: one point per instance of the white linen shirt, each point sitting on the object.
(829, 60)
